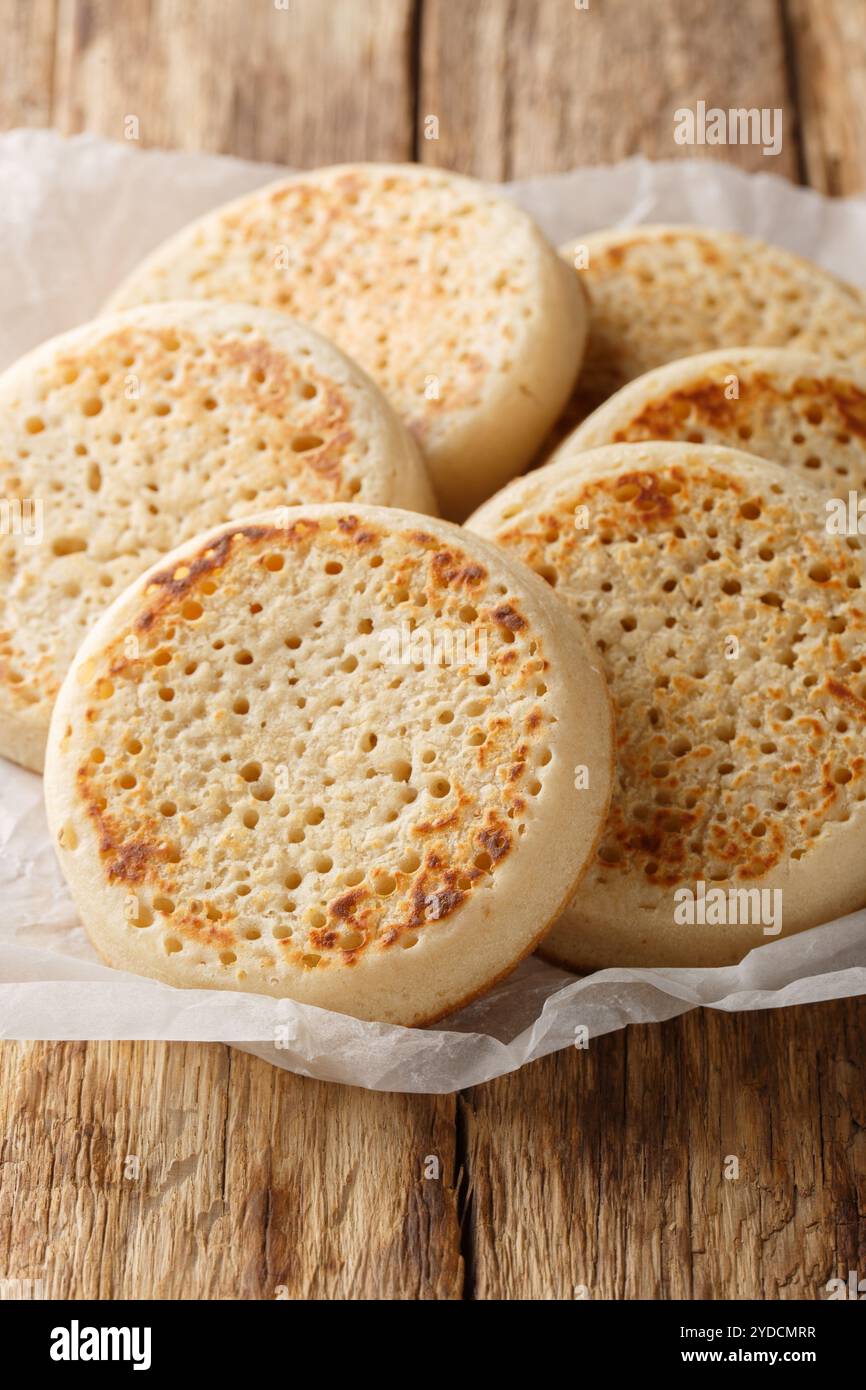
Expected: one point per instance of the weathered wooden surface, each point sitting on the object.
(248, 79)
(27, 41)
(529, 88)
(828, 48)
(597, 1173)
(603, 1174)
(134, 1170)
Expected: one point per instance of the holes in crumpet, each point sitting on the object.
(69, 545)
(142, 916)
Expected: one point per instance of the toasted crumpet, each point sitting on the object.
(330, 754)
(658, 293)
(128, 435)
(732, 628)
(806, 412)
(443, 290)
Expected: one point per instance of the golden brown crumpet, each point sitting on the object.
(732, 628)
(807, 413)
(445, 292)
(330, 755)
(661, 292)
(125, 437)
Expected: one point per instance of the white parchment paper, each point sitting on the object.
(75, 215)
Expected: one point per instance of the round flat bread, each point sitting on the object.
(732, 627)
(443, 290)
(330, 754)
(806, 412)
(128, 435)
(658, 293)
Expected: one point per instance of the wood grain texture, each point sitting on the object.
(308, 84)
(523, 88)
(27, 37)
(828, 45)
(615, 1185)
(252, 1183)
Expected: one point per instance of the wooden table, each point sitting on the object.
(600, 1171)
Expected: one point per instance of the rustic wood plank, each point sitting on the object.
(299, 85)
(530, 88)
(251, 1183)
(828, 43)
(27, 28)
(615, 1186)
(463, 87)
